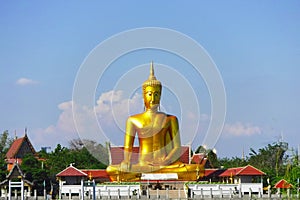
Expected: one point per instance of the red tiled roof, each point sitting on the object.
(231, 172)
(250, 170)
(96, 173)
(208, 172)
(185, 154)
(117, 155)
(71, 171)
(283, 184)
(242, 171)
(16, 145)
(198, 158)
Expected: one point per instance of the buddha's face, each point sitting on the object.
(152, 96)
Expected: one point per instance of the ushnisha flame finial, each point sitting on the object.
(152, 76)
(151, 81)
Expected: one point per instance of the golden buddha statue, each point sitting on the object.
(159, 141)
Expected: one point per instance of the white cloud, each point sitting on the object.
(240, 129)
(109, 114)
(26, 81)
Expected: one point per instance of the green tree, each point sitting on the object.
(78, 154)
(210, 154)
(95, 150)
(292, 172)
(5, 142)
(232, 162)
(270, 159)
(201, 149)
(57, 160)
(34, 171)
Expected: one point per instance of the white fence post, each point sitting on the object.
(230, 193)
(240, 191)
(70, 194)
(167, 193)
(259, 193)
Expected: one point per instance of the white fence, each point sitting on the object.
(203, 190)
(221, 190)
(100, 190)
(254, 187)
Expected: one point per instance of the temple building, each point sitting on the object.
(18, 149)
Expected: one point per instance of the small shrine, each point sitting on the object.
(15, 181)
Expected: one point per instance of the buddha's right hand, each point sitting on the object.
(125, 166)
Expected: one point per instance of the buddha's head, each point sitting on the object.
(152, 90)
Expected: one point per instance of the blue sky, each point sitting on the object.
(254, 44)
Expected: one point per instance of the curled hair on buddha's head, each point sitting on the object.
(151, 81)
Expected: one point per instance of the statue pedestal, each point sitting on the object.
(183, 172)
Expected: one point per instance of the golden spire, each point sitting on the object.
(151, 81)
(151, 76)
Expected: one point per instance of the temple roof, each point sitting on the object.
(96, 173)
(248, 170)
(197, 158)
(283, 184)
(213, 172)
(117, 155)
(15, 173)
(16, 147)
(71, 171)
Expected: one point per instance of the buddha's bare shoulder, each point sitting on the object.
(172, 117)
(135, 119)
(168, 117)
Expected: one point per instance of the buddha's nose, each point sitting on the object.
(152, 98)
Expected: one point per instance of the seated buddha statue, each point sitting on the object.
(159, 141)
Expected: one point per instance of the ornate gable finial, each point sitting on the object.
(16, 137)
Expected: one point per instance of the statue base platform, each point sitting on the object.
(184, 172)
